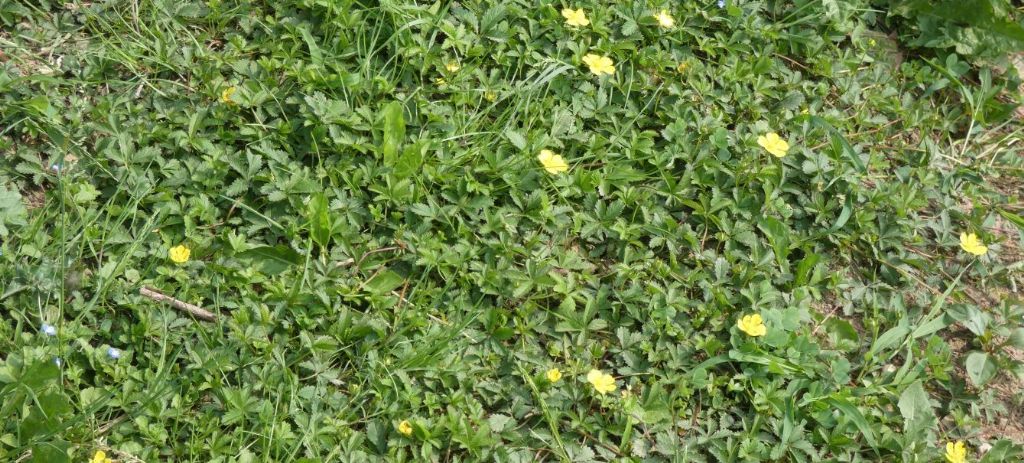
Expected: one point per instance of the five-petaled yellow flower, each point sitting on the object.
(956, 452)
(665, 19)
(100, 457)
(179, 254)
(554, 375)
(553, 163)
(453, 66)
(599, 65)
(973, 245)
(753, 325)
(575, 18)
(405, 428)
(225, 96)
(490, 95)
(603, 383)
(773, 144)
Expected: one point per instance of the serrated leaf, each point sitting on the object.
(85, 193)
(792, 101)
(410, 161)
(516, 138)
(237, 187)
(499, 422)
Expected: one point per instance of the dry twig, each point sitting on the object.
(195, 310)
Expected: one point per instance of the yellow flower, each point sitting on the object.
(665, 19)
(452, 66)
(603, 383)
(773, 144)
(225, 96)
(405, 428)
(599, 65)
(440, 81)
(683, 66)
(575, 17)
(100, 457)
(554, 375)
(753, 325)
(956, 453)
(179, 254)
(971, 244)
(553, 163)
(490, 95)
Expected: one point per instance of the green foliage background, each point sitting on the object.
(381, 244)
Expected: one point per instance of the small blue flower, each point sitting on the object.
(57, 361)
(113, 353)
(721, 3)
(49, 329)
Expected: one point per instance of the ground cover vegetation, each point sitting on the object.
(510, 231)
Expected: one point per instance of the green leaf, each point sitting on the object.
(318, 212)
(1016, 338)
(844, 215)
(411, 160)
(393, 131)
(40, 104)
(914, 404)
(792, 101)
(54, 451)
(272, 260)
(805, 267)
(891, 337)
(314, 50)
(842, 330)
(499, 422)
(977, 13)
(854, 414)
(85, 193)
(778, 237)
(839, 143)
(976, 321)
(516, 138)
(1002, 451)
(384, 282)
(1016, 219)
(980, 368)
(931, 326)
(12, 210)
(39, 375)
